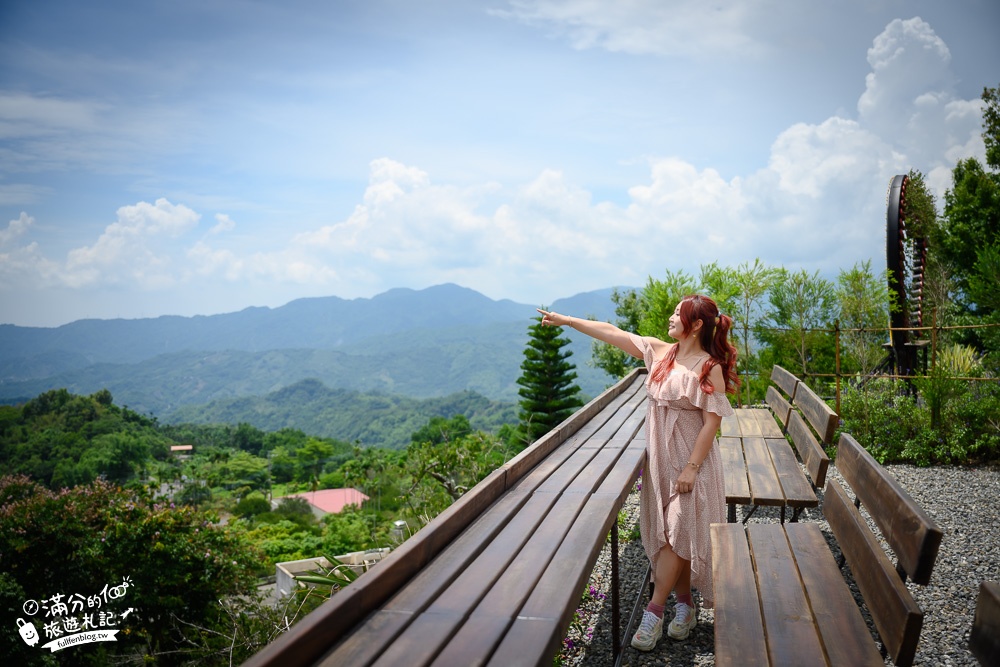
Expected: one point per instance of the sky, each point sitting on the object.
(193, 157)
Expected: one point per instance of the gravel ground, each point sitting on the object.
(962, 500)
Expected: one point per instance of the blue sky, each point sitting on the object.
(195, 157)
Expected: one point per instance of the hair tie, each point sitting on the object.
(718, 318)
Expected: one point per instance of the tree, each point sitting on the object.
(863, 299)
(548, 391)
(753, 281)
(800, 304)
(967, 242)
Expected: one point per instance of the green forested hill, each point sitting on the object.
(373, 419)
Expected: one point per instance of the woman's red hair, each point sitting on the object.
(714, 339)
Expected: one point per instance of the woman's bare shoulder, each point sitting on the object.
(660, 348)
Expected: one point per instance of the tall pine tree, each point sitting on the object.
(548, 391)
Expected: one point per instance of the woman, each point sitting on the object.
(682, 487)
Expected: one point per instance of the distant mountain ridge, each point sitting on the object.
(417, 343)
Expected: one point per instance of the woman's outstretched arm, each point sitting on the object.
(602, 331)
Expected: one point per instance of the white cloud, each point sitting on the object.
(16, 228)
(134, 249)
(223, 223)
(680, 27)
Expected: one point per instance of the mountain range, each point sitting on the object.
(419, 344)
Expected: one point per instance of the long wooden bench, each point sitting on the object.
(984, 638)
(781, 598)
(496, 578)
(759, 465)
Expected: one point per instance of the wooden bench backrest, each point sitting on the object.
(911, 533)
(820, 415)
(816, 411)
(984, 639)
(912, 536)
(785, 380)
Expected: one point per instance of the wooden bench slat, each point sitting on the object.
(749, 426)
(734, 471)
(769, 428)
(765, 489)
(730, 426)
(845, 635)
(469, 586)
(506, 597)
(778, 404)
(788, 382)
(621, 426)
(897, 616)
(418, 593)
(530, 642)
(739, 633)
(813, 455)
(909, 530)
(984, 638)
(411, 646)
(621, 479)
(791, 632)
(820, 415)
(474, 642)
(363, 647)
(570, 567)
(797, 489)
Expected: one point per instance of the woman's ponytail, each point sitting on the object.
(724, 352)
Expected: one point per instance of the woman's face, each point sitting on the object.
(676, 329)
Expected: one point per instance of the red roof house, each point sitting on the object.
(331, 501)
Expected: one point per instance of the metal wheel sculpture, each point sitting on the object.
(906, 256)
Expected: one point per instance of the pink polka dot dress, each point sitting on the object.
(674, 419)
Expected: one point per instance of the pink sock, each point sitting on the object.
(686, 599)
(657, 609)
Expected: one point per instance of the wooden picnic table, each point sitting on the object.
(760, 466)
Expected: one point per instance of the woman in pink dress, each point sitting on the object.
(683, 492)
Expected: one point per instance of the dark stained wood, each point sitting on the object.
(810, 451)
(474, 642)
(984, 639)
(734, 471)
(788, 382)
(739, 632)
(414, 646)
(765, 489)
(749, 426)
(796, 488)
(897, 616)
(911, 533)
(778, 404)
(362, 648)
(843, 631)
(530, 642)
(792, 637)
(820, 415)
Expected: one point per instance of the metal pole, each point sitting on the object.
(616, 643)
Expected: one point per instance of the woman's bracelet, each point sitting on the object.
(697, 466)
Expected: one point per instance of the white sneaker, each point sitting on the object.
(649, 632)
(685, 618)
